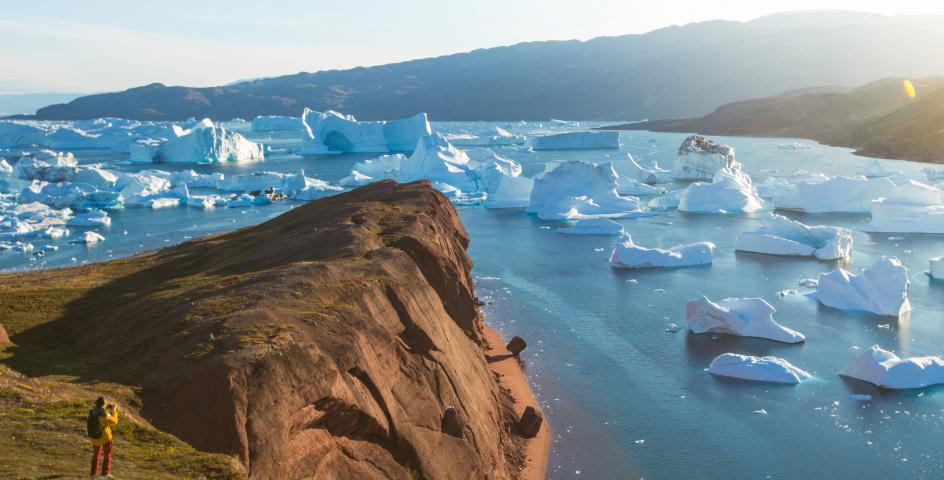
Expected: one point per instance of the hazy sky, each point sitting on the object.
(97, 45)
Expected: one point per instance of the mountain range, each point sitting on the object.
(674, 72)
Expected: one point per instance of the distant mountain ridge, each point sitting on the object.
(672, 72)
(877, 119)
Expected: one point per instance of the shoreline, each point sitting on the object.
(511, 378)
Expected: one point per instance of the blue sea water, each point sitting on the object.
(624, 398)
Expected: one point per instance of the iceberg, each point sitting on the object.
(497, 136)
(255, 181)
(782, 236)
(510, 192)
(144, 151)
(47, 166)
(934, 175)
(746, 317)
(73, 195)
(699, 159)
(207, 143)
(731, 190)
(435, 159)
(911, 207)
(881, 289)
(578, 190)
(576, 141)
(629, 255)
(331, 132)
(836, 195)
(758, 369)
(92, 218)
(886, 370)
(876, 170)
(13, 134)
(90, 238)
(629, 168)
(936, 268)
(593, 226)
(276, 123)
(301, 188)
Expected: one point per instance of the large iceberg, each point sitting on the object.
(885, 369)
(208, 143)
(836, 195)
(731, 190)
(746, 317)
(578, 190)
(782, 236)
(331, 132)
(437, 160)
(759, 369)
(911, 207)
(881, 289)
(593, 226)
(510, 192)
(629, 255)
(699, 159)
(576, 141)
(276, 123)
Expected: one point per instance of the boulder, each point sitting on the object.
(530, 422)
(516, 345)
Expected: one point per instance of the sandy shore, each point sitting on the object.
(511, 378)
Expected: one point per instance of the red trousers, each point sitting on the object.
(106, 463)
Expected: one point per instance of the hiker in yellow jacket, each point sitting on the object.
(100, 421)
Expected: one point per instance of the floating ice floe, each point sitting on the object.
(629, 255)
(835, 195)
(90, 238)
(794, 146)
(730, 190)
(746, 317)
(782, 236)
(276, 123)
(936, 268)
(92, 218)
(579, 190)
(576, 141)
(331, 132)
(885, 369)
(72, 195)
(911, 207)
(207, 143)
(881, 289)
(699, 159)
(497, 136)
(593, 226)
(758, 369)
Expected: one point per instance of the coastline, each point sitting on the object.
(511, 379)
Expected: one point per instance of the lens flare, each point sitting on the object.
(909, 88)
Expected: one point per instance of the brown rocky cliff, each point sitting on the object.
(327, 343)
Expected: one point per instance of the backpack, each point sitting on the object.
(93, 427)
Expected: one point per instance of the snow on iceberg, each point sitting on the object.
(331, 132)
(593, 226)
(699, 159)
(207, 143)
(836, 195)
(629, 255)
(782, 236)
(746, 317)
(731, 190)
(759, 369)
(276, 123)
(576, 141)
(578, 190)
(911, 207)
(885, 369)
(881, 289)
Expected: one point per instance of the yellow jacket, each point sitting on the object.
(107, 421)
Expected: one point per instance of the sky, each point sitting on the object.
(98, 45)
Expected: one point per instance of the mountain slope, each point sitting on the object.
(877, 119)
(668, 73)
(329, 342)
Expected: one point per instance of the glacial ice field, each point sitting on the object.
(622, 380)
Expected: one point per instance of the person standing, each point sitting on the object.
(100, 420)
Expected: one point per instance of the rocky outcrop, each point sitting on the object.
(340, 340)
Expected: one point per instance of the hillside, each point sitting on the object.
(876, 119)
(674, 72)
(339, 340)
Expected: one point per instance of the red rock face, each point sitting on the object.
(340, 340)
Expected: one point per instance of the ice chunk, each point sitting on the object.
(576, 141)
(55, 232)
(578, 190)
(881, 289)
(253, 181)
(494, 137)
(13, 227)
(936, 268)
(911, 207)
(436, 160)
(629, 255)
(96, 176)
(593, 226)
(699, 159)
(731, 190)
(74, 195)
(46, 165)
(209, 144)
(301, 188)
(782, 236)
(746, 317)
(934, 175)
(836, 195)
(876, 170)
(90, 237)
(510, 192)
(885, 369)
(197, 180)
(331, 132)
(759, 369)
(276, 123)
(93, 218)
